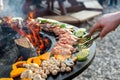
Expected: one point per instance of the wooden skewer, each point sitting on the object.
(1, 4)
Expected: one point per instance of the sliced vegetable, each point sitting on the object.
(54, 23)
(26, 79)
(16, 72)
(37, 61)
(62, 57)
(83, 54)
(62, 26)
(51, 20)
(44, 21)
(34, 60)
(18, 64)
(41, 20)
(45, 56)
(69, 26)
(6, 79)
(80, 32)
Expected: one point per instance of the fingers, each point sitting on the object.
(104, 32)
(95, 27)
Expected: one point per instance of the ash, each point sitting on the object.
(106, 65)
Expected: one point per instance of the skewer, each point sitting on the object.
(1, 4)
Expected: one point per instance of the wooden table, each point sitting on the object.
(62, 8)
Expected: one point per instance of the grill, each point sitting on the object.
(11, 51)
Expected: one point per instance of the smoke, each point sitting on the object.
(12, 8)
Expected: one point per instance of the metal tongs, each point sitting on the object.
(88, 43)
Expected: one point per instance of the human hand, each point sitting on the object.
(106, 24)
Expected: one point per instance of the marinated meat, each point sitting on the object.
(63, 49)
(65, 46)
(60, 50)
(58, 31)
(67, 39)
(67, 35)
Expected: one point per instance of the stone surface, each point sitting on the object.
(106, 65)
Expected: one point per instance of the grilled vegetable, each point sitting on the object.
(26, 79)
(62, 57)
(80, 32)
(44, 21)
(69, 62)
(18, 64)
(45, 56)
(6, 78)
(34, 60)
(16, 72)
(62, 26)
(83, 54)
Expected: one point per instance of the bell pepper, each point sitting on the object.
(34, 60)
(17, 72)
(18, 64)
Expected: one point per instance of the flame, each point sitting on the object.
(31, 14)
(46, 41)
(14, 25)
(33, 35)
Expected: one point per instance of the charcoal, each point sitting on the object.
(25, 48)
(8, 54)
(8, 50)
(6, 29)
(7, 46)
(5, 70)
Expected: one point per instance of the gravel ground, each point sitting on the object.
(106, 65)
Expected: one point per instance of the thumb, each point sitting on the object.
(95, 27)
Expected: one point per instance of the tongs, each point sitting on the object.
(88, 43)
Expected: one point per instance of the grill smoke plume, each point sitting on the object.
(11, 8)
